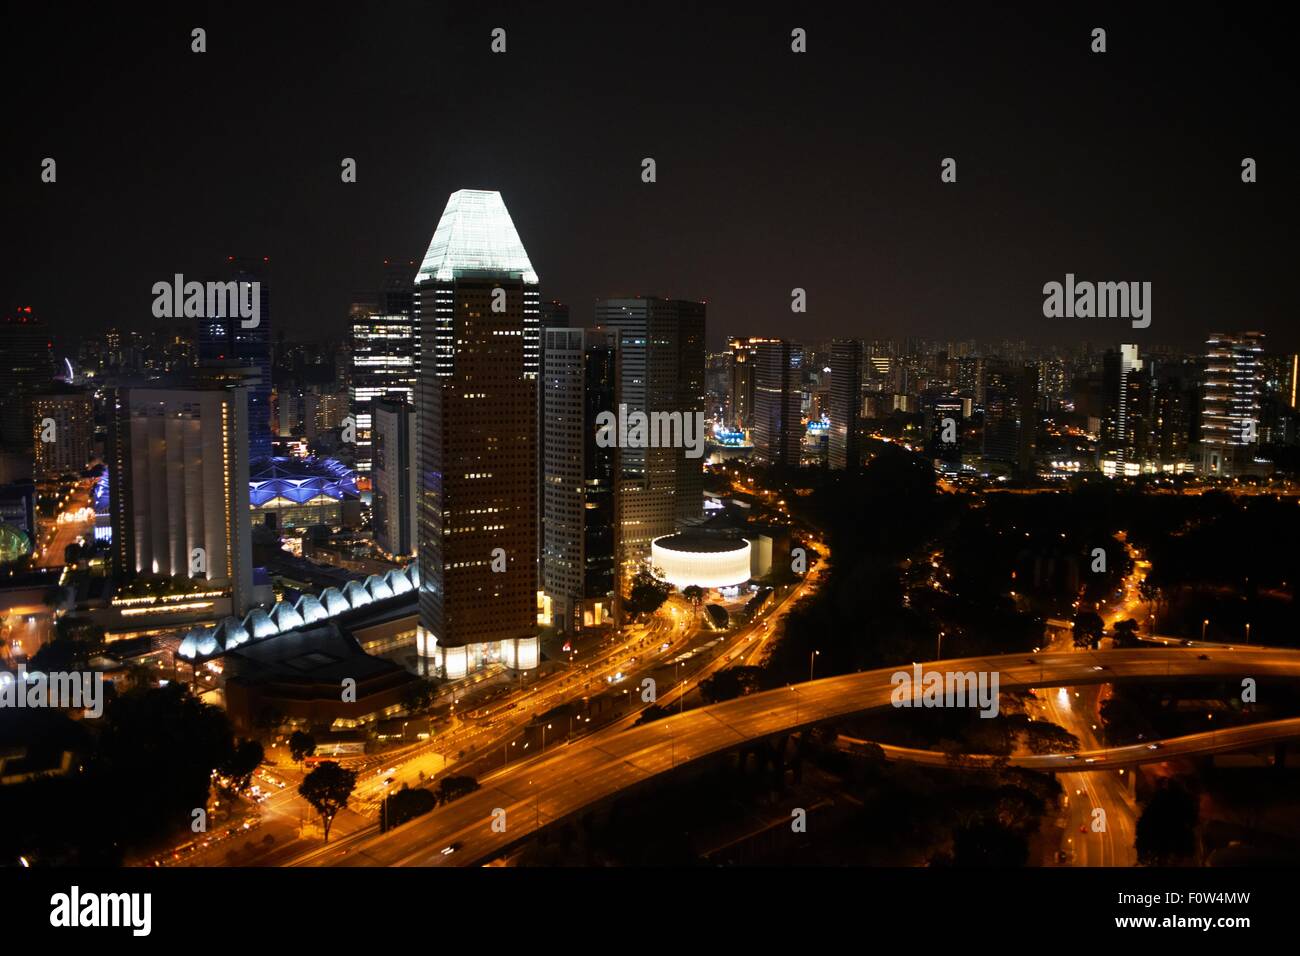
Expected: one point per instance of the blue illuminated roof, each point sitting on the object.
(300, 480)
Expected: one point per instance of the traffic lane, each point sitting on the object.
(584, 772)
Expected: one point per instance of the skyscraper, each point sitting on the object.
(742, 383)
(1230, 402)
(28, 367)
(578, 490)
(179, 486)
(383, 365)
(846, 404)
(66, 447)
(227, 341)
(1125, 436)
(778, 425)
(394, 484)
(478, 304)
(659, 368)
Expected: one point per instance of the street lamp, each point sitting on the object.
(544, 730)
(938, 650)
(1248, 632)
(812, 658)
(1204, 624)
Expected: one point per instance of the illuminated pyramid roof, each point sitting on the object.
(475, 234)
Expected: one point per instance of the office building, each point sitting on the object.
(478, 303)
(778, 426)
(394, 481)
(1230, 403)
(383, 366)
(578, 383)
(63, 432)
(741, 404)
(179, 486)
(846, 404)
(659, 369)
(28, 367)
(225, 341)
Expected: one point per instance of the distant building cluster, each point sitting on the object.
(454, 425)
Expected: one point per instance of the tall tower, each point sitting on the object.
(394, 484)
(659, 368)
(1230, 404)
(383, 366)
(846, 404)
(478, 303)
(777, 434)
(578, 486)
(227, 342)
(178, 479)
(28, 367)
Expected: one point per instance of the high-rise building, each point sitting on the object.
(63, 426)
(178, 461)
(742, 383)
(478, 303)
(846, 404)
(659, 368)
(1176, 414)
(394, 484)
(578, 490)
(1230, 403)
(383, 366)
(554, 315)
(944, 415)
(228, 341)
(1125, 438)
(1011, 417)
(778, 427)
(28, 367)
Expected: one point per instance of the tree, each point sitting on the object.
(301, 745)
(1088, 628)
(1126, 633)
(693, 593)
(1166, 831)
(419, 695)
(987, 843)
(245, 758)
(648, 593)
(327, 789)
(453, 788)
(406, 804)
(1149, 592)
(730, 683)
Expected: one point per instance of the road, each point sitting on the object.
(540, 792)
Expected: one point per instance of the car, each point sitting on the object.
(1091, 759)
(1188, 643)
(1153, 746)
(451, 848)
(1202, 657)
(1071, 757)
(1098, 667)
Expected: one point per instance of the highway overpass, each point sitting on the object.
(541, 792)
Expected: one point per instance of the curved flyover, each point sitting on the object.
(545, 790)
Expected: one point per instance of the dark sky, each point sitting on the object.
(775, 170)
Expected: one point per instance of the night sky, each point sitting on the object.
(775, 170)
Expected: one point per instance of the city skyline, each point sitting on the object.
(663, 437)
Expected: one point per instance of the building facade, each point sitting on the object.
(479, 310)
(179, 486)
(394, 484)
